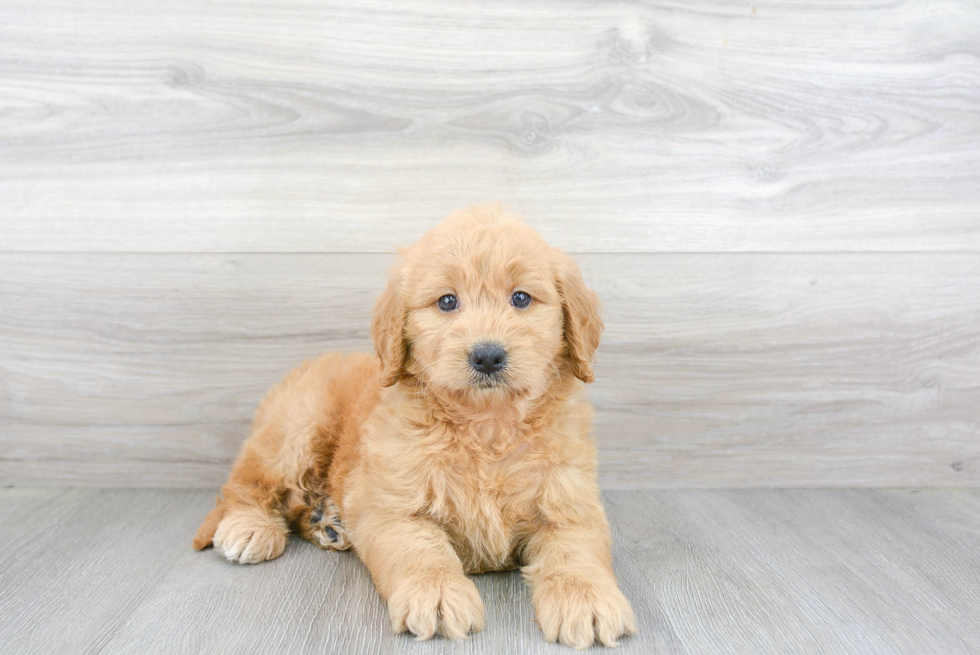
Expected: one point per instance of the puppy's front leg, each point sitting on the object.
(576, 598)
(417, 571)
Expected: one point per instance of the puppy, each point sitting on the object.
(462, 447)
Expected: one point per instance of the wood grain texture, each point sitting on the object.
(160, 596)
(301, 126)
(810, 571)
(774, 571)
(154, 158)
(739, 370)
(75, 563)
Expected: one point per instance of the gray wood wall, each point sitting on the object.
(779, 205)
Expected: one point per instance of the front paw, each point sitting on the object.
(427, 603)
(579, 611)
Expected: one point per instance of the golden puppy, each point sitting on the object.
(463, 447)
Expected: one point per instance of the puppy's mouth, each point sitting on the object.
(488, 381)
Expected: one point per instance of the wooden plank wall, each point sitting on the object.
(779, 205)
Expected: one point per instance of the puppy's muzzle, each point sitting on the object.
(488, 358)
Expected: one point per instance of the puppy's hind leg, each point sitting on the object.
(250, 534)
(285, 458)
(320, 524)
(246, 525)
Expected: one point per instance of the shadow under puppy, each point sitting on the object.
(463, 447)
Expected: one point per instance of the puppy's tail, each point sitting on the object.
(205, 533)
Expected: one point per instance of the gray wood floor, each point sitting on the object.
(803, 571)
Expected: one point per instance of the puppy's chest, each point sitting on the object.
(486, 502)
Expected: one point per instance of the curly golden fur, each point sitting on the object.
(435, 467)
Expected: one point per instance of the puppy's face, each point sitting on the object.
(482, 307)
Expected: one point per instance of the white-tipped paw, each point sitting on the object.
(430, 603)
(250, 536)
(579, 612)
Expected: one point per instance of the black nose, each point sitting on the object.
(488, 358)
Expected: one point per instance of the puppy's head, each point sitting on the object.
(481, 307)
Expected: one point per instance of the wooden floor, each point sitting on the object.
(774, 571)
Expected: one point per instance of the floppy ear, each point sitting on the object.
(388, 329)
(583, 325)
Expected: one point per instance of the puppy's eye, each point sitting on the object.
(520, 299)
(448, 303)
